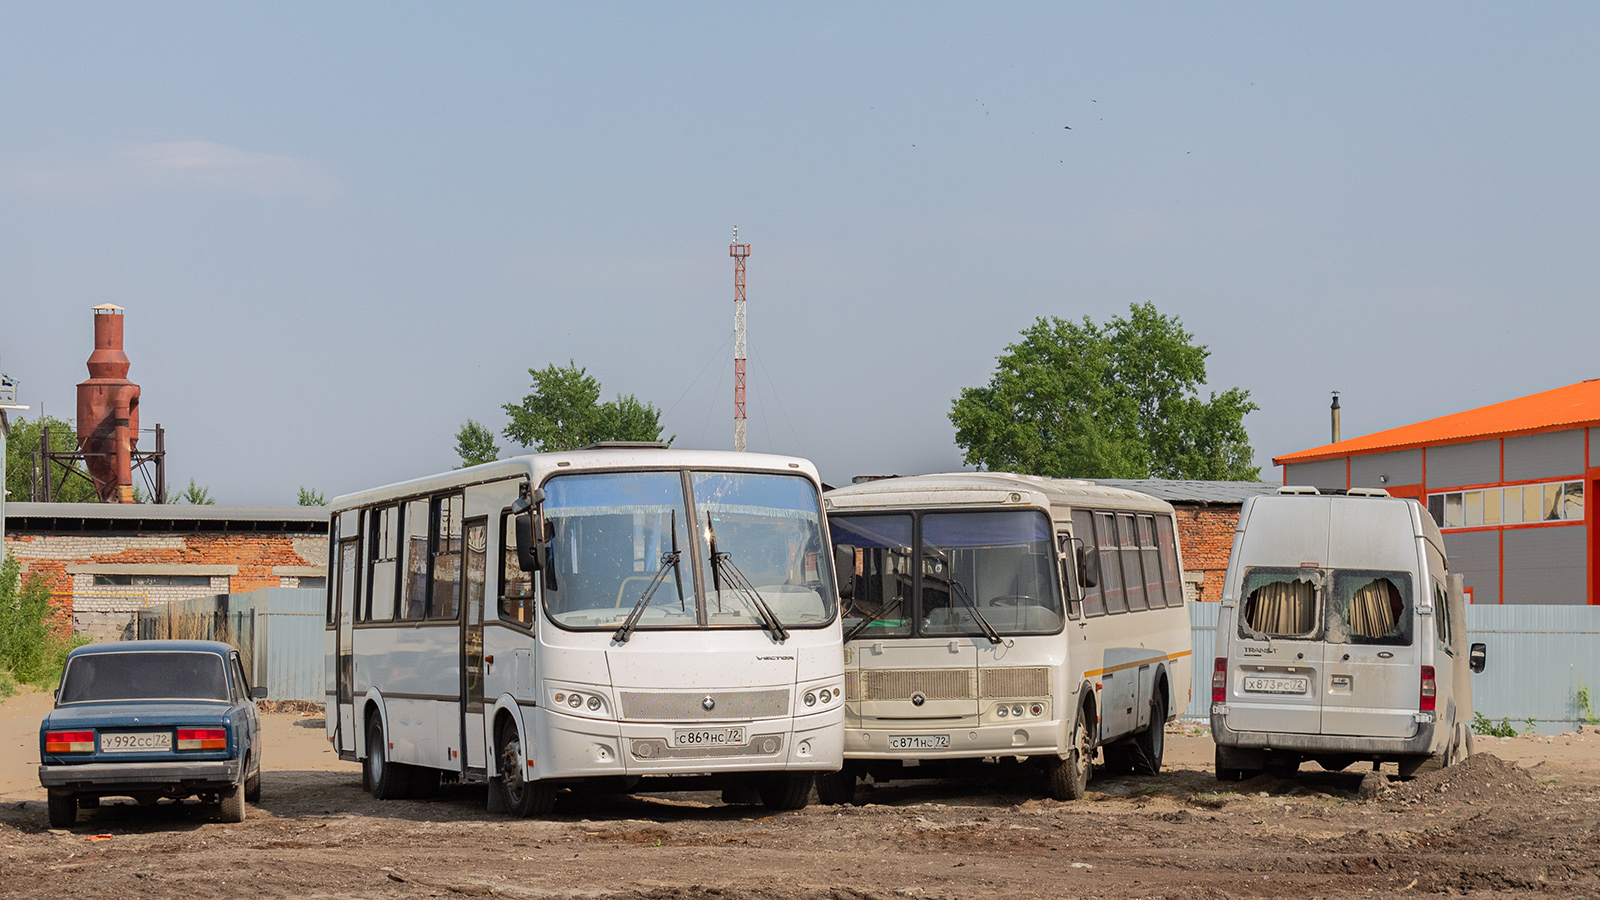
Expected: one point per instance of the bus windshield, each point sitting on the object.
(614, 534)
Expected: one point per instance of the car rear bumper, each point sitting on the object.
(142, 776)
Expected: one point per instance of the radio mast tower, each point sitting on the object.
(738, 251)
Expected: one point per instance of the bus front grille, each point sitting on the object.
(663, 706)
(934, 684)
(1007, 683)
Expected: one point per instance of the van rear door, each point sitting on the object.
(1275, 651)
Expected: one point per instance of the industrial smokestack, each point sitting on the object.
(108, 411)
(1334, 412)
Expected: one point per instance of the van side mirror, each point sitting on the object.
(259, 692)
(1478, 657)
(844, 570)
(1088, 567)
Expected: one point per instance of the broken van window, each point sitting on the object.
(1371, 608)
(1279, 603)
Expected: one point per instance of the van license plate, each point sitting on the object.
(1257, 684)
(135, 741)
(709, 737)
(920, 742)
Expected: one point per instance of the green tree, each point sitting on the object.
(196, 494)
(311, 497)
(32, 648)
(1118, 400)
(475, 444)
(21, 445)
(564, 412)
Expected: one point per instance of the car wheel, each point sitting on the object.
(837, 788)
(1152, 742)
(521, 797)
(63, 809)
(385, 780)
(252, 786)
(231, 808)
(785, 790)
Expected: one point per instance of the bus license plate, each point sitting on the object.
(135, 742)
(1266, 685)
(708, 737)
(920, 742)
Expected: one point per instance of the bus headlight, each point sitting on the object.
(1001, 712)
(1037, 709)
(574, 701)
(594, 704)
(811, 699)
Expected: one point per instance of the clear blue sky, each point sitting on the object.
(339, 230)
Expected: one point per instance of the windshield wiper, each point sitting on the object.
(865, 623)
(667, 559)
(742, 584)
(988, 630)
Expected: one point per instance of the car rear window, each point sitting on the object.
(145, 675)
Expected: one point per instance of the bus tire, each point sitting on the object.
(63, 810)
(837, 788)
(1149, 746)
(785, 790)
(522, 798)
(1118, 759)
(385, 780)
(1068, 778)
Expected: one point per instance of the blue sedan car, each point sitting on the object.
(152, 719)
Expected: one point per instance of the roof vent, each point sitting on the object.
(625, 445)
(1298, 489)
(1367, 492)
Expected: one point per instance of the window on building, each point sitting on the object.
(156, 581)
(312, 581)
(1559, 501)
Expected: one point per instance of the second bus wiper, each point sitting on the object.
(988, 630)
(865, 623)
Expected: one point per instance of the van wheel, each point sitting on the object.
(385, 780)
(1068, 779)
(521, 797)
(837, 788)
(63, 810)
(785, 790)
(1226, 772)
(1152, 742)
(1283, 765)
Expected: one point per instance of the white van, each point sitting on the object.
(1341, 638)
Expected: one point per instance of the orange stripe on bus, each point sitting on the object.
(1134, 665)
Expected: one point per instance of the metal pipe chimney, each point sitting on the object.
(108, 411)
(1334, 411)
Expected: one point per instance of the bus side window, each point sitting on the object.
(1069, 575)
(1150, 559)
(383, 547)
(1170, 578)
(516, 586)
(1083, 529)
(1132, 578)
(443, 599)
(414, 593)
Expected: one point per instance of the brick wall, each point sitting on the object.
(1206, 535)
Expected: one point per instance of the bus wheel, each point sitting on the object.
(1152, 742)
(1069, 778)
(1118, 759)
(385, 780)
(837, 788)
(785, 790)
(522, 798)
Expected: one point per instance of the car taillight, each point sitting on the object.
(69, 742)
(1219, 681)
(202, 739)
(1430, 689)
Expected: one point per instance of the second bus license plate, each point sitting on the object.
(1267, 685)
(709, 737)
(920, 742)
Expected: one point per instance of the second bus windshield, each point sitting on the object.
(1000, 563)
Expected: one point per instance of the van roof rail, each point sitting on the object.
(1298, 489)
(1367, 492)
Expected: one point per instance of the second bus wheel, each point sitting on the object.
(785, 790)
(837, 788)
(1152, 742)
(521, 797)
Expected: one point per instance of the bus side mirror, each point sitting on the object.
(844, 570)
(527, 552)
(1088, 567)
(1477, 657)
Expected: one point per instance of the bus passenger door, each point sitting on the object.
(472, 734)
(344, 669)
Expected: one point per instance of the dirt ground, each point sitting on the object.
(1520, 819)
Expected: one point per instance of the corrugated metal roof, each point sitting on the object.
(1179, 491)
(1564, 407)
(23, 517)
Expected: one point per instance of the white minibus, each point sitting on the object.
(1341, 638)
(996, 616)
(623, 615)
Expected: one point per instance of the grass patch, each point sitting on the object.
(1213, 799)
(8, 685)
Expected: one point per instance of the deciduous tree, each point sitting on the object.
(564, 412)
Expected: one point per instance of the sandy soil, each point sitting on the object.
(1520, 819)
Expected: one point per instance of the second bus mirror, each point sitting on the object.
(527, 551)
(1088, 567)
(844, 569)
(1478, 657)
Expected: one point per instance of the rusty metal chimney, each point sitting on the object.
(1334, 411)
(108, 411)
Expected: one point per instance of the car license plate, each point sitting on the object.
(709, 737)
(135, 741)
(1258, 684)
(920, 742)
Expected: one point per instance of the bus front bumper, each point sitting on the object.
(575, 747)
(1025, 737)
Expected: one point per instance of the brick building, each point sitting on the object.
(1207, 513)
(105, 561)
(1505, 482)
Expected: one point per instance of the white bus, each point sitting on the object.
(996, 616)
(624, 613)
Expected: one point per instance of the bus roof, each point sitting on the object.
(987, 489)
(537, 466)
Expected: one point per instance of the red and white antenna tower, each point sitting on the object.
(738, 251)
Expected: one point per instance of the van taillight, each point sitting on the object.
(69, 742)
(1430, 689)
(1219, 681)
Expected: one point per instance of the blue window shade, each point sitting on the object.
(768, 492)
(984, 529)
(613, 493)
(871, 531)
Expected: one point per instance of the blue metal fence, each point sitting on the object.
(1541, 660)
(278, 632)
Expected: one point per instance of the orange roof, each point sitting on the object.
(1564, 407)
